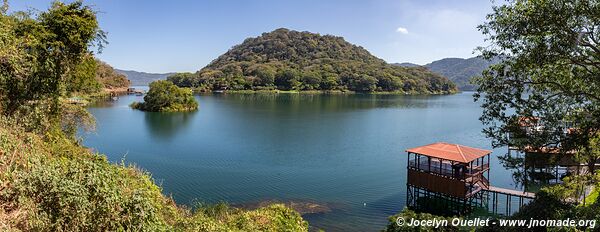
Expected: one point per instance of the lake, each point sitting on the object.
(345, 151)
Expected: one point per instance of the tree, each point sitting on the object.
(264, 73)
(287, 79)
(549, 69)
(4, 7)
(310, 80)
(360, 83)
(329, 81)
(164, 96)
(38, 57)
(83, 77)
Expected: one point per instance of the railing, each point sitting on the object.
(435, 167)
(446, 169)
(476, 170)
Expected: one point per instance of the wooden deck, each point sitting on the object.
(511, 192)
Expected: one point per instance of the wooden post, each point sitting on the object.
(508, 202)
(428, 164)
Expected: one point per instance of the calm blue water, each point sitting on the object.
(346, 151)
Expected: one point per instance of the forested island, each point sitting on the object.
(164, 96)
(291, 60)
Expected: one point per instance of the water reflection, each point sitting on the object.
(105, 103)
(166, 125)
(299, 103)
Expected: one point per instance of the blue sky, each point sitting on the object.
(176, 36)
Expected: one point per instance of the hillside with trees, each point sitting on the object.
(291, 60)
(109, 77)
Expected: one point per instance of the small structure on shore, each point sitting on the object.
(453, 178)
(548, 164)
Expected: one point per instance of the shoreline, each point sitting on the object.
(325, 92)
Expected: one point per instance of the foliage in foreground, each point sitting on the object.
(164, 96)
(291, 60)
(54, 184)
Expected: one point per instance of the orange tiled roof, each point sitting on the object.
(448, 151)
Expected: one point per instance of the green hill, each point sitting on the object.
(458, 70)
(291, 60)
(461, 70)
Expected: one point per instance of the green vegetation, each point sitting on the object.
(558, 202)
(290, 60)
(164, 96)
(549, 72)
(49, 182)
(109, 78)
(93, 76)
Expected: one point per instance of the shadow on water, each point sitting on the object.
(166, 125)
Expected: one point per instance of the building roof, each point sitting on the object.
(448, 151)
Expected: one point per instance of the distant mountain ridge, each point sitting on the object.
(143, 78)
(407, 64)
(458, 70)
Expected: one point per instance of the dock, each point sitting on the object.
(496, 192)
(455, 178)
(493, 189)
